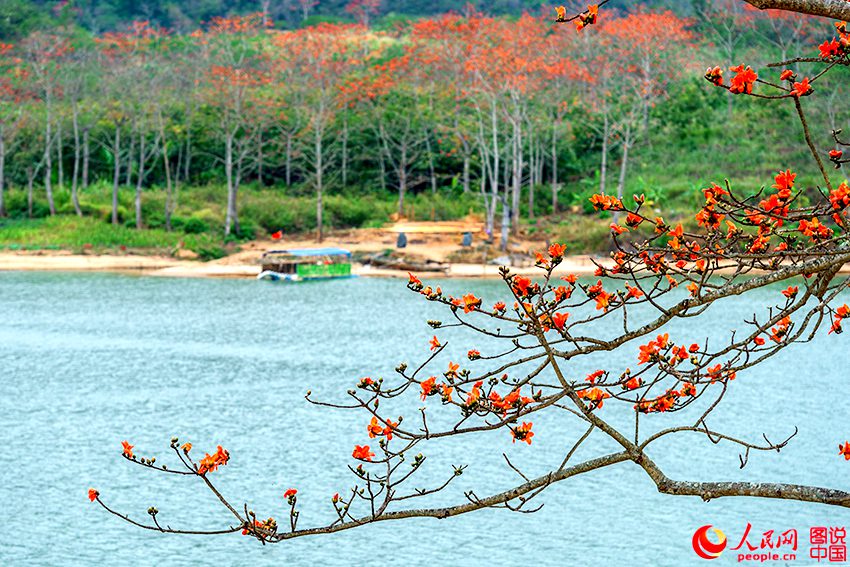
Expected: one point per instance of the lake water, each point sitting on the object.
(90, 360)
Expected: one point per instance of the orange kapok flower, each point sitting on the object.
(210, 463)
(429, 387)
(587, 18)
(473, 354)
(786, 75)
(470, 303)
(290, 495)
(435, 343)
(714, 76)
(186, 447)
(743, 80)
(374, 428)
(803, 88)
(362, 453)
(560, 320)
(617, 229)
(784, 180)
(830, 49)
(522, 432)
(127, 449)
(593, 376)
(277, 235)
(556, 251)
(93, 494)
(560, 14)
(791, 291)
(595, 396)
(844, 450)
(413, 280)
(522, 286)
(633, 292)
(499, 306)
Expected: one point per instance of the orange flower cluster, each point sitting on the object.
(93, 494)
(714, 76)
(803, 88)
(269, 525)
(127, 449)
(362, 453)
(778, 333)
(603, 298)
(840, 197)
(523, 287)
(606, 203)
(716, 373)
(836, 47)
(514, 400)
(651, 352)
(522, 432)
(377, 429)
(708, 217)
(844, 450)
(210, 463)
(840, 314)
(667, 401)
(815, 230)
(743, 80)
(594, 396)
(587, 18)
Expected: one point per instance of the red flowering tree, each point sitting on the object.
(662, 273)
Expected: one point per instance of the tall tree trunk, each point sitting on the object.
(345, 148)
(128, 179)
(167, 169)
(621, 184)
(116, 172)
(465, 174)
(86, 156)
(230, 214)
(75, 176)
(288, 159)
(604, 165)
(48, 161)
(494, 177)
(187, 156)
(260, 157)
(139, 179)
(431, 170)
(60, 170)
(320, 233)
(2, 173)
(30, 178)
(506, 222)
(517, 167)
(555, 168)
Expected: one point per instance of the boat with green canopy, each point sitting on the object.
(301, 264)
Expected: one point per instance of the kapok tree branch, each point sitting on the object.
(837, 9)
(710, 490)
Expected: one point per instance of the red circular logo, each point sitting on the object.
(704, 547)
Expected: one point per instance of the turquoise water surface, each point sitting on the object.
(91, 360)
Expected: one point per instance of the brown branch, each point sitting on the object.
(836, 9)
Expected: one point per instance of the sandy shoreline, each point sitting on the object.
(231, 267)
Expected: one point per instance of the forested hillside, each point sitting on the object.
(19, 17)
(241, 128)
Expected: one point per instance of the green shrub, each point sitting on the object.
(194, 225)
